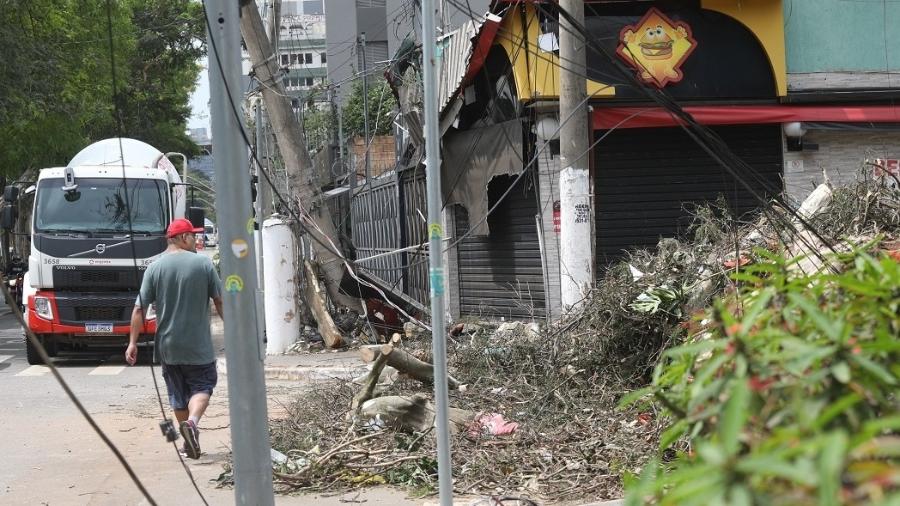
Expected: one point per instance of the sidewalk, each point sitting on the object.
(324, 365)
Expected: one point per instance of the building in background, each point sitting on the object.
(385, 23)
(204, 161)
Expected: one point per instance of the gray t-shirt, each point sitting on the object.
(181, 284)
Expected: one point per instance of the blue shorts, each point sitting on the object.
(183, 381)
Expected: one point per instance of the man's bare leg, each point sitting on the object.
(197, 406)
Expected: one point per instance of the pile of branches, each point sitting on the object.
(535, 410)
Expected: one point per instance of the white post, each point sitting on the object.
(576, 270)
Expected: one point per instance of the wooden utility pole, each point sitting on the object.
(576, 232)
(292, 141)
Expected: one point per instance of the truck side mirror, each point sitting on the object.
(8, 215)
(197, 217)
(11, 194)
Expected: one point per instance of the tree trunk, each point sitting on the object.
(291, 139)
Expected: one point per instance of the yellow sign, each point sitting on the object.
(656, 47)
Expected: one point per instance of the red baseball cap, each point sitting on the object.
(181, 226)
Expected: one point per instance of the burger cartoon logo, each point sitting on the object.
(656, 47)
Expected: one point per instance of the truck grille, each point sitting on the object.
(103, 314)
(97, 278)
(77, 308)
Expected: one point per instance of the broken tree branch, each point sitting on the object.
(315, 299)
(368, 389)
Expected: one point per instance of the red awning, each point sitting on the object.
(605, 118)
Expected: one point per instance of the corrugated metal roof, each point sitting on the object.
(456, 51)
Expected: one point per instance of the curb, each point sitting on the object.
(302, 373)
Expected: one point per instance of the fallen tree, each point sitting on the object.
(543, 414)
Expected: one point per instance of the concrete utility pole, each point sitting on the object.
(262, 186)
(365, 83)
(351, 177)
(430, 64)
(292, 141)
(576, 233)
(244, 348)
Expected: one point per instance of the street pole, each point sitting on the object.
(365, 78)
(430, 62)
(261, 185)
(243, 346)
(351, 177)
(576, 234)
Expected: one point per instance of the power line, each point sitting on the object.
(118, 121)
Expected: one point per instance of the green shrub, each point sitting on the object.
(785, 392)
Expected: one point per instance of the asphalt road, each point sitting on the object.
(49, 454)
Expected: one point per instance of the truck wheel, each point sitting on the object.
(31, 353)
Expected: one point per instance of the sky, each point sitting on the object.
(200, 101)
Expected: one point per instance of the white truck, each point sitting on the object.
(95, 227)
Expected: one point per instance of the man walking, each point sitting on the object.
(180, 284)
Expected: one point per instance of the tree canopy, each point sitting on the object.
(382, 105)
(56, 81)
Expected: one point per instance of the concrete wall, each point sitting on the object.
(840, 153)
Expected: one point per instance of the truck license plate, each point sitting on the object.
(98, 328)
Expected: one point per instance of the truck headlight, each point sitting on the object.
(43, 308)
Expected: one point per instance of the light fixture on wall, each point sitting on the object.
(793, 133)
(546, 128)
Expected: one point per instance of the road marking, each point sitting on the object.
(4, 358)
(35, 370)
(106, 370)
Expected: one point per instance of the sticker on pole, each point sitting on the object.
(435, 231)
(251, 225)
(240, 248)
(234, 283)
(437, 281)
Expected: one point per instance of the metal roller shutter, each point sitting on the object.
(647, 180)
(500, 274)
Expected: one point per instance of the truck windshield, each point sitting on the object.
(99, 205)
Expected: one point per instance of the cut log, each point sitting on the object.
(368, 390)
(315, 299)
(411, 413)
(369, 352)
(405, 363)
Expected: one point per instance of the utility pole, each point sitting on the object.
(430, 63)
(365, 78)
(261, 186)
(244, 348)
(351, 178)
(576, 232)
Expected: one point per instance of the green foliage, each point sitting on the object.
(56, 86)
(381, 109)
(320, 125)
(785, 393)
